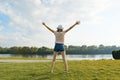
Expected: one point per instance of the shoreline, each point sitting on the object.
(25, 61)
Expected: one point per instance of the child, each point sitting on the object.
(59, 43)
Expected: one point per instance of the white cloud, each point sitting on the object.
(67, 10)
(1, 28)
(26, 16)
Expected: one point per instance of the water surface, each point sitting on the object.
(69, 57)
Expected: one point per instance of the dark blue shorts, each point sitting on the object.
(59, 47)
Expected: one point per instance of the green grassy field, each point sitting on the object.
(78, 70)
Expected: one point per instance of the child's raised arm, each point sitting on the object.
(77, 22)
(47, 27)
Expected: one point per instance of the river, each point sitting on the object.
(69, 57)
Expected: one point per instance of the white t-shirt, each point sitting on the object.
(59, 37)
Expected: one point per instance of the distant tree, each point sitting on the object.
(3, 50)
(26, 50)
(101, 46)
(34, 50)
(14, 50)
(44, 51)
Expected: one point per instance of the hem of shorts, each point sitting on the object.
(59, 51)
(58, 43)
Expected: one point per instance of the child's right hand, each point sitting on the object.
(43, 23)
(77, 22)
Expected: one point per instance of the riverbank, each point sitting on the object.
(78, 70)
(22, 58)
(24, 61)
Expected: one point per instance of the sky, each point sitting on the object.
(20, 22)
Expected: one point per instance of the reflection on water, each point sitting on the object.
(69, 57)
(23, 55)
(90, 57)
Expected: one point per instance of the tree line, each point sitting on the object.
(84, 49)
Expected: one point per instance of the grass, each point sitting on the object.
(78, 70)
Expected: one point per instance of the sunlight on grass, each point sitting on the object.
(78, 70)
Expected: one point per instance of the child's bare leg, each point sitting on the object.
(64, 60)
(53, 61)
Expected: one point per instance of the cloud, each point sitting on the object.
(26, 17)
(68, 10)
(1, 27)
